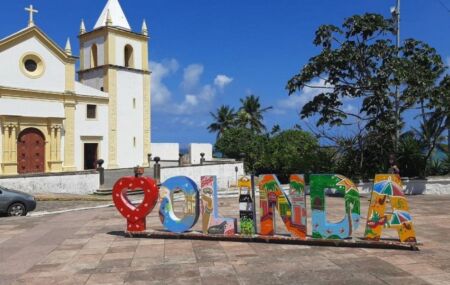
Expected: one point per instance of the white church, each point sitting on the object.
(52, 122)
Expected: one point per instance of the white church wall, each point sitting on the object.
(129, 119)
(52, 79)
(82, 183)
(91, 131)
(31, 108)
(166, 151)
(94, 79)
(120, 51)
(196, 148)
(86, 50)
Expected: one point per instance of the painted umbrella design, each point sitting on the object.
(388, 187)
(399, 217)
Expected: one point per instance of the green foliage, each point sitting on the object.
(360, 60)
(292, 151)
(357, 61)
(247, 226)
(285, 153)
(363, 155)
(437, 167)
(411, 161)
(241, 141)
(250, 114)
(224, 119)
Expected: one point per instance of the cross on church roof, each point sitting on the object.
(32, 11)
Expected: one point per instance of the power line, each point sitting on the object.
(444, 6)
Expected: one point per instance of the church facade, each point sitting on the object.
(51, 122)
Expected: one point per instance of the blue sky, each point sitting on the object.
(205, 53)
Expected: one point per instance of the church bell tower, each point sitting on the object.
(114, 59)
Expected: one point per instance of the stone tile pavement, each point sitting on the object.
(85, 247)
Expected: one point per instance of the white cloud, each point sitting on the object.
(192, 75)
(297, 101)
(191, 100)
(222, 80)
(207, 93)
(349, 108)
(194, 103)
(160, 93)
(198, 98)
(183, 121)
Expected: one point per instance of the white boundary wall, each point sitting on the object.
(196, 148)
(166, 151)
(82, 183)
(226, 174)
(438, 185)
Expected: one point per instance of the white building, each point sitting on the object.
(49, 122)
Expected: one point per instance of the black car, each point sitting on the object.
(16, 203)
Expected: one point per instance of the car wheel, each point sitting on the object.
(17, 209)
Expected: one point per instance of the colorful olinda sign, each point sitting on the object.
(290, 205)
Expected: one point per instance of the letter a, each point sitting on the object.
(387, 188)
(321, 227)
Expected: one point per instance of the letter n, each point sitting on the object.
(291, 207)
(388, 188)
(321, 228)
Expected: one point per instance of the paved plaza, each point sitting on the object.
(86, 247)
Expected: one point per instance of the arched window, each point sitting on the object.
(129, 59)
(94, 57)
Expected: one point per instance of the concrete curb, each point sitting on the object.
(45, 213)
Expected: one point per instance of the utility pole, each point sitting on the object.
(395, 11)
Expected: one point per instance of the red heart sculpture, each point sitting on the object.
(135, 215)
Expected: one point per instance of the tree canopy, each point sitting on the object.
(250, 114)
(223, 120)
(359, 61)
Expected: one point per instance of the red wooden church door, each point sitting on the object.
(30, 151)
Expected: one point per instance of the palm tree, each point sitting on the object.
(417, 146)
(224, 119)
(250, 114)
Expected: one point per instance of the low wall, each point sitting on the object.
(84, 182)
(438, 185)
(226, 173)
(165, 163)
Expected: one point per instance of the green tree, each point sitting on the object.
(363, 155)
(411, 161)
(360, 61)
(426, 139)
(250, 114)
(224, 119)
(240, 143)
(285, 153)
(292, 151)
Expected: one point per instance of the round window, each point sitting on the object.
(30, 65)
